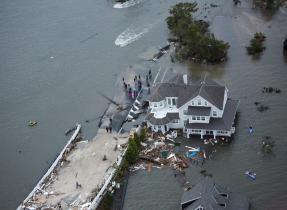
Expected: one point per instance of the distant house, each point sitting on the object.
(207, 195)
(199, 108)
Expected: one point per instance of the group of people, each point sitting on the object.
(133, 91)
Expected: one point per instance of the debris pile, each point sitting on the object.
(220, 140)
(161, 52)
(161, 153)
(196, 155)
(159, 150)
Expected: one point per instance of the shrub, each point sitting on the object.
(256, 44)
(132, 151)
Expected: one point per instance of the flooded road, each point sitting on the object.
(55, 56)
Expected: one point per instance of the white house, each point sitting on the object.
(199, 108)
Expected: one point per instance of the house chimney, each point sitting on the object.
(184, 77)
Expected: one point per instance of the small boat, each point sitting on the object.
(32, 123)
(251, 174)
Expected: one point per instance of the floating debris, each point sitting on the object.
(262, 108)
(250, 129)
(161, 52)
(204, 173)
(250, 174)
(267, 144)
(270, 90)
(32, 123)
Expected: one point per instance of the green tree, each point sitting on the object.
(136, 138)
(181, 18)
(195, 42)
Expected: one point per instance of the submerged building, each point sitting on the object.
(207, 195)
(198, 108)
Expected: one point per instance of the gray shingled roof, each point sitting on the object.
(198, 110)
(223, 123)
(162, 121)
(208, 89)
(212, 197)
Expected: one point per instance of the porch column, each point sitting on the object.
(201, 134)
(214, 134)
(162, 129)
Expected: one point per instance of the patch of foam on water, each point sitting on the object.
(126, 4)
(130, 35)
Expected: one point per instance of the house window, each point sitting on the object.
(209, 132)
(169, 101)
(175, 121)
(205, 103)
(192, 103)
(197, 118)
(193, 118)
(199, 102)
(214, 113)
(173, 102)
(202, 118)
(155, 104)
(222, 204)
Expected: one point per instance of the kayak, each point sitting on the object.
(251, 174)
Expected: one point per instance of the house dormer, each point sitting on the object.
(171, 102)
